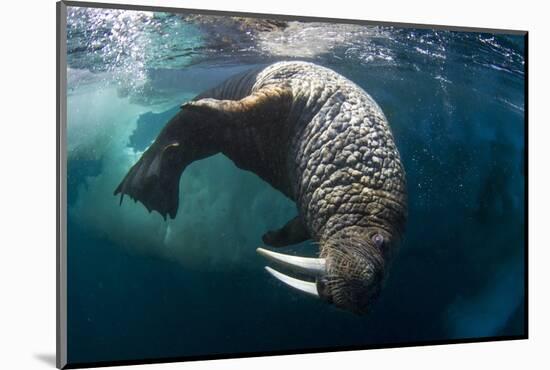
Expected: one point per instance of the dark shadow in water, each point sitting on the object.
(47, 358)
(148, 127)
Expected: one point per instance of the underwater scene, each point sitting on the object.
(144, 287)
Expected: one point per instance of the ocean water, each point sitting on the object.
(140, 287)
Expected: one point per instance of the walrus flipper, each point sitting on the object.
(190, 135)
(293, 232)
(200, 129)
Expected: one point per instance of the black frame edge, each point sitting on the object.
(61, 115)
(290, 352)
(526, 190)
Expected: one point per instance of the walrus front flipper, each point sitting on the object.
(293, 232)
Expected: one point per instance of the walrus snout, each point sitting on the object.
(356, 271)
(348, 273)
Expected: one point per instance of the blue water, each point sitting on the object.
(141, 287)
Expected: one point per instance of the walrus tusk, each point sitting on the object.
(310, 266)
(303, 286)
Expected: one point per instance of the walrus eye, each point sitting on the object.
(378, 240)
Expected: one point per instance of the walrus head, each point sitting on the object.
(349, 272)
(355, 269)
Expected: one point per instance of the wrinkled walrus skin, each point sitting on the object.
(316, 137)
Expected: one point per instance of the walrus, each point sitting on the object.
(320, 140)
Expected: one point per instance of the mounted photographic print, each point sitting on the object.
(236, 184)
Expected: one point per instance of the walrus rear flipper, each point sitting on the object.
(200, 129)
(154, 180)
(152, 183)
